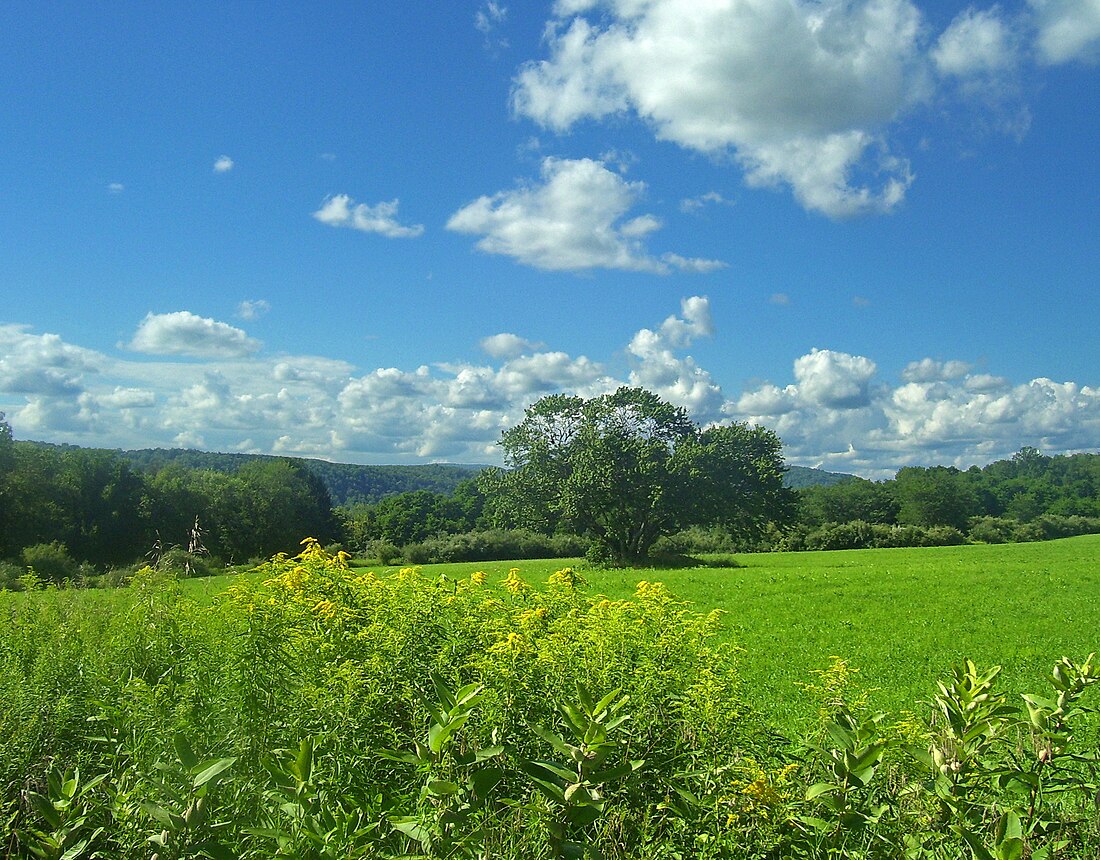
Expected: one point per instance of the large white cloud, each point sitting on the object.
(835, 380)
(798, 91)
(44, 364)
(185, 333)
(803, 94)
(976, 42)
(659, 368)
(575, 219)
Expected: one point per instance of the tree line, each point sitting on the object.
(620, 476)
(1030, 496)
(69, 506)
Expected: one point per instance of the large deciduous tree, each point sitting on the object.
(626, 468)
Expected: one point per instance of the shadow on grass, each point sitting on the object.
(678, 561)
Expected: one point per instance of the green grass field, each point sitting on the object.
(902, 617)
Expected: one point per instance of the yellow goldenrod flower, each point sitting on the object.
(511, 645)
(326, 608)
(514, 583)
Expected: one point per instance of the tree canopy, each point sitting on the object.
(626, 468)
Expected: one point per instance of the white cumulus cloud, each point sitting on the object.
(976, 42)
(210, 387)
(340, 210)
(185, 333)
(223, 164)
(834, 379)
(507, 345)
(799, 92)
(574, 220)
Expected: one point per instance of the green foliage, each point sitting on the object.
(862, 535)
(1029, 497)
(493, 545)
(316, 711)
(626, 468)
(854, 499)
(412, 517)
(590, 760)
(64, 829)
(346, 483)
(51, 562)
(108, 514)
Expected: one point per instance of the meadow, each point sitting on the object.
(901, 618)
(316, 708)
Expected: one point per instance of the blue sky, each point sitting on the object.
(377, 232)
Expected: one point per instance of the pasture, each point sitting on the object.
(901, 617)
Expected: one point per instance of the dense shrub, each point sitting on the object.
(1045, 527)
(853, 535)
(10, 572)
(182, 563)
(697, 540)
(1052, 526)
(862, 535)
(385, 551)
(992, 529)
(493, 545)
(51, 562)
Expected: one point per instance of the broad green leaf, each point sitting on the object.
(468, 695)
(442, 691)
(45, 809)
(488, 753)
(184, 752)
(304, 762)
(603, 703)
(841, 736)
(552, 738)
(815, 791)
(485, 780)
(215, 851)
(549, 769)
(443, 788)
(208, 770)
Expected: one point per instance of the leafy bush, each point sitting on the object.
(1052, 526)
(493, 545)
(697, 540)
(182, 563)
(385, 551)
(10, 574)
(861, 535)
(51, 562)
(992, 529)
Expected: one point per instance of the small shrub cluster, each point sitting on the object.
(493, 545)
(51, 562)
(863, 535)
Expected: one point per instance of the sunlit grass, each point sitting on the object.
(902, 617)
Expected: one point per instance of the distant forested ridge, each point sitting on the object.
(347, 483)
(798, 477)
